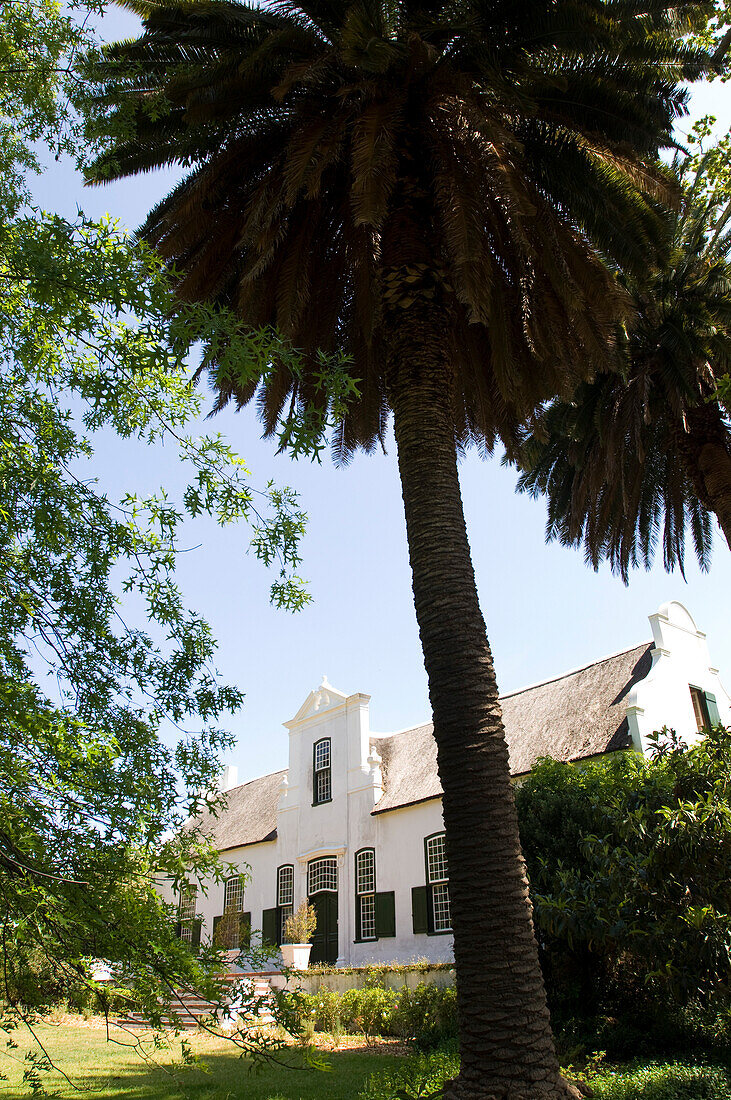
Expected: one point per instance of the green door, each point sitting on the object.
(325, 938)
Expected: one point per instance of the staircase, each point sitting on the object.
(191, 1008)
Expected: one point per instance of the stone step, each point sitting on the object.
(190, 1007)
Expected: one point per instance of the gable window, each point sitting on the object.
(365, 894)
(705, 708)
(285, 897)
(437, 880)
(322, 779)
(186, 912)
(233, 895)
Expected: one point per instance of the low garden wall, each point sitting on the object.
(340, 979)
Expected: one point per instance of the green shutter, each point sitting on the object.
(196, 926)
(269, 927)
(244, 931)
(177, 929)
(713, 716)
(419, 917)
(385, 914)
(216, 921)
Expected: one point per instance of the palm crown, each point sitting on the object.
(636, 457)
(516, 133)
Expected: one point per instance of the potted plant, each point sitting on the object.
(298, 932)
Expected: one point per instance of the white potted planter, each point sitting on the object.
(298, 930)
(296, 955)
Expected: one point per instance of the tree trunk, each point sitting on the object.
(505, 1037)
(706, 451)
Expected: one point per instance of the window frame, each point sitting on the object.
(284, 909)
(698, 695)
(439, 883)
(188, 896)
(361, 895)
(239, 895)
(323, 889)
(326, 771)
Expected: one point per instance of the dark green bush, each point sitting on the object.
(658, 1031)
(628, 860)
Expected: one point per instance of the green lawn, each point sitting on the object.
(113, 1071)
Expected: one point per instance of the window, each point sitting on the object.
(365, 894)
(437, 879)
(285, 897)
(233, 894)
(700, 709)
(322, 874)
(186, 912)
(322, 782)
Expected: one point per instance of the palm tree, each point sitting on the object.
(648, 450)
(422, 186)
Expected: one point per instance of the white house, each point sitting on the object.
(354, 822)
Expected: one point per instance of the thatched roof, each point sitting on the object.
(577, 715)
(574, 716)
(248, 816)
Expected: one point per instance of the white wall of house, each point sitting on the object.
(345, 824)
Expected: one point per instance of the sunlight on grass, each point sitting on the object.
(112, 1070)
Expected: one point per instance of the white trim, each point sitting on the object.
(327, 850)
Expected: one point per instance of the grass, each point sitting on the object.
(108, 1070)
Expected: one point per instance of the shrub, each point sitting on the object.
(628, 861)
(421, 1076)
(657, 1032)
(325, 1009)
(368, 1011)
(674, 1081)
(427, 1015)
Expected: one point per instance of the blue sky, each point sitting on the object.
(546, 612)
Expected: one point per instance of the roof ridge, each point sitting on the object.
(573, 671)
(406, 729)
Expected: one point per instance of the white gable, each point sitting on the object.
(323, 698)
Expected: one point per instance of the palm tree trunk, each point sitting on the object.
(505, 1037)
(705, 447)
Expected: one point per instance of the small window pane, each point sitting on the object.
(442, 915)
(322, 874)
(285, 885)
(367, 917)
(365, 872)
(436, 859)
(234, 894)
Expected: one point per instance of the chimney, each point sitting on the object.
(228, 778)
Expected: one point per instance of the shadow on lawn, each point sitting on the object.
(113, 1072)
